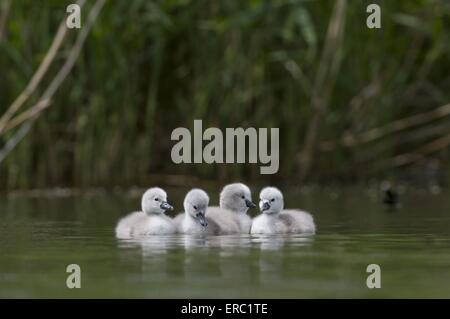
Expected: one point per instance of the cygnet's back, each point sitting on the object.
(222, 221)
(297, 221)
(126, 227)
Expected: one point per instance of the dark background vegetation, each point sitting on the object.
(361, 106)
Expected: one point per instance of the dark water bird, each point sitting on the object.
(391, 197)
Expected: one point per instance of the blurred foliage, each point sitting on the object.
(151, 66)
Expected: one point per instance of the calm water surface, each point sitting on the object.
(39, 237)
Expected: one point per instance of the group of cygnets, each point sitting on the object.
(229, 218)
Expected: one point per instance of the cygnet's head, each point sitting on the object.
(195, 205)
(236, 197)
(154, 201)
(271, 200)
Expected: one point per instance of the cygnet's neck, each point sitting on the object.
(272, 214)
(190, 217)
(186, 213)
(152, 213)
(239, 212)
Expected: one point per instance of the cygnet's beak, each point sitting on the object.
(264, 205)
(249, 203)
(201, 218)
(166, 206)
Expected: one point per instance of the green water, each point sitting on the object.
(39, 237)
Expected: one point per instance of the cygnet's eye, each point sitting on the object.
(272, 200)
(243, 197)
(157, 199)
(195, 207)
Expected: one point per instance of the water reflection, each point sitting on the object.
(269, 242)
(152, 245)
(220, 257)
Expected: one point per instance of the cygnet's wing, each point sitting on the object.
(178, 220)
(223, 222)
(297, 221)
(214, 228)
(125, 226)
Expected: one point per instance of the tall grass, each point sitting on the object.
(151, 66)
